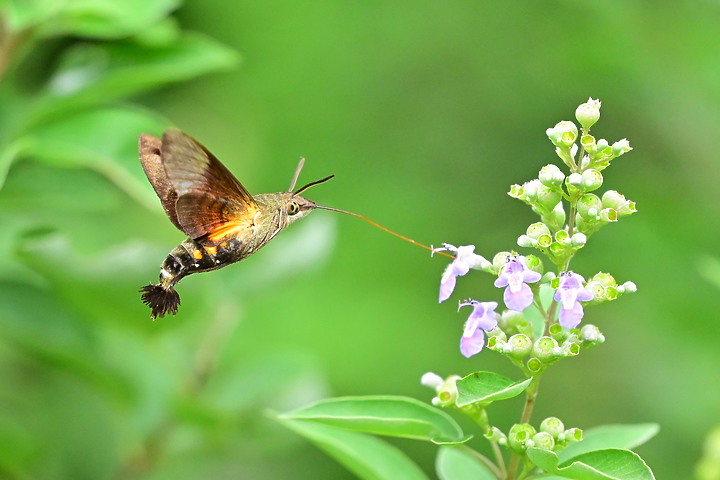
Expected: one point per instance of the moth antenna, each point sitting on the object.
(322, 180)
(296, 174)
(375, 224)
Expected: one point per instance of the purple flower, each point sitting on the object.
(515, 276)
(483, 317)
(465, 259)
(570, 293)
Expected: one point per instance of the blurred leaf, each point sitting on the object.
(89, 18)
(367, 457)
(607, 464)
(611, 436)
(384, 415)
(103, 139)
(453, 463)
(17, 448)
(487, 387)
(36, 324)
(91, 74)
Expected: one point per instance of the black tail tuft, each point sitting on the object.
(160, 299)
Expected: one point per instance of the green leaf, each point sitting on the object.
(91, 74)
(104, 140)
(487, 387)
(454, 463)
(88, 18)
(611, 436)
(367, 457)
(608, 464)
(384, 415)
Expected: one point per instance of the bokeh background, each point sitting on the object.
(426, 112)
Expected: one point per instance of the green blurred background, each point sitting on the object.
(426, 112)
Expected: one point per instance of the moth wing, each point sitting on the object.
(204, 214)
(151, 160)
(208, 197)
(190, 166)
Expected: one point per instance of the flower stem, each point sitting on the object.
(530, 397)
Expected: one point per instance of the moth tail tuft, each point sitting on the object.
(161, 300)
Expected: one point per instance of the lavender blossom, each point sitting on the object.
(482, 318)
(515, 276)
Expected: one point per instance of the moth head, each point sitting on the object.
(296, 206)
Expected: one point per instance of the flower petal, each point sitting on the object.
(471, 345)
(518, 301)
(447, 285)
(531, 276)
(570, 317)
(585, 295)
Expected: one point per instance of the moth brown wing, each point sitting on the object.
(209, 197)
(204, 214)
(191, 167)
(151, 160)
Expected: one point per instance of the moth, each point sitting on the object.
(223, 222)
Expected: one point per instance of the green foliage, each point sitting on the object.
(483, 388)
(365, 456)
(384, 415)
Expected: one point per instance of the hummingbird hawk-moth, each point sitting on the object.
(223, 222)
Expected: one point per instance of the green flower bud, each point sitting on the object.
(519, 436)
(588, 143)
(569, 348)
(446, 390)
(534, 263)
(546, 349)
(591, 180)
(518, 346)
(526, 241)
(589, 206)
(534, 365)
(597, 289)
(497, 333)
(578, 240)
(562, 236)
(496, 435)
(563, 135)
(543, 440)
(571, 435)
(552, 425)
(496, 343)
(591, 334)
(588, 113)
(605, 279)
(601, 145)
(620, 147)
(617, 201)
(517, 191)
(556, 218)
(537, 229)
(574, 180)
(627, 287)
(558, 332)
(546, 197)
(608, 215)
(551, 176)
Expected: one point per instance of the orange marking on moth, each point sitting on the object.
(230, 229)
(197, 254)
(211, 250)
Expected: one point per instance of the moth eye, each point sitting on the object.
(293, 208)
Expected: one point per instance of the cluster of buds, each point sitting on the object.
(552, 435)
